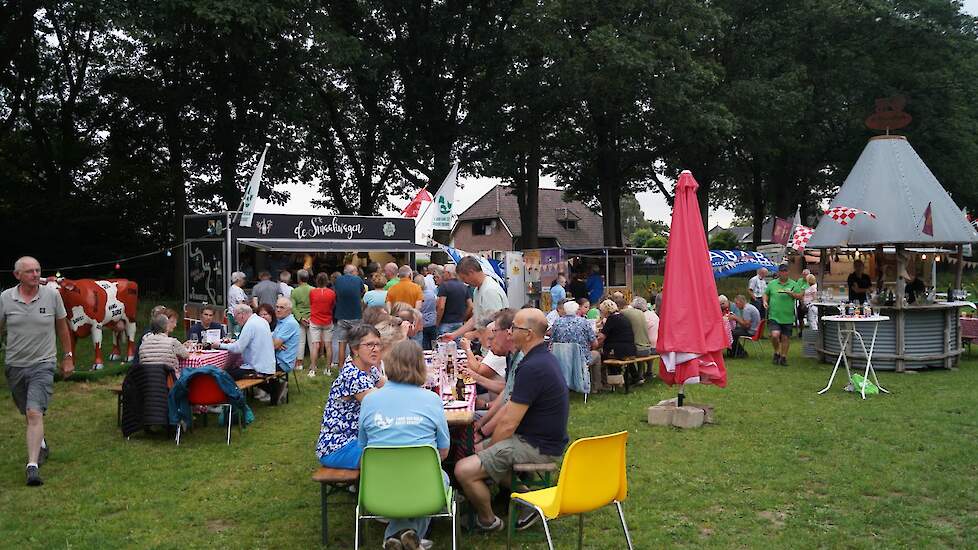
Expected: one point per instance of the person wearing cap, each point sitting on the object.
(779, 302)
(236, 295)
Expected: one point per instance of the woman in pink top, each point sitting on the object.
(322, 301)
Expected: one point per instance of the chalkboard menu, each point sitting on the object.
(205, 272)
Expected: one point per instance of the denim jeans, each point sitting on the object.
(445, 328)
(420, 525)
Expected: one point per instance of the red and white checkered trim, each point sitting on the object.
(800, 239)
(843, 214)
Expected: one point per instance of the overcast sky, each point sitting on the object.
(653, 204)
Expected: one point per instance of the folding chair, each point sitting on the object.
(755, 340)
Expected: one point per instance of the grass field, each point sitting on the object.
(783, 467)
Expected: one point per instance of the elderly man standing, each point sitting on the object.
(532, 426)
(285, 340)
(487, 298)
(756, 287)
(254, 344)
(32, 314)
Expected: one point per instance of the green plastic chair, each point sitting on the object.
(401, 483)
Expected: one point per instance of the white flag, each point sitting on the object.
(443, 206)
(251, 192)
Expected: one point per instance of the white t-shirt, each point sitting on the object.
(757, 286)
(496, 363)
(286, 289)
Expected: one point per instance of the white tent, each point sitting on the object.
(891, 181)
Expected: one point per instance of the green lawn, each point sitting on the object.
(783, 467)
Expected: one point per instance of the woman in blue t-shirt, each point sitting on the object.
(403, 414)
(337, 446)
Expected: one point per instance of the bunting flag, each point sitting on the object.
(928, 228)
(496, 271)
(844, 214)
(801, 237)
(414, 207)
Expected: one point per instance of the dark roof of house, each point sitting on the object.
(746, 234)
(499, 203)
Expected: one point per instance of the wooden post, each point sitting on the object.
(958, 269)
(898, 318)
(823, 262)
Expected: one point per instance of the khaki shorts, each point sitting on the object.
(31, 387)
(320, 334)
(499, 459)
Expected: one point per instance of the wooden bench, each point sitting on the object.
(629, 362)
(248, 384)
(331, 481)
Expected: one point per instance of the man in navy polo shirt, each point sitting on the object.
(348, 311)
(532, 426)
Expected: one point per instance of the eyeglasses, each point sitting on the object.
(371, 345)
(514, 327)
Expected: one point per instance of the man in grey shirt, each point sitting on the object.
(266, 291)
(747, 319)
(31, 313)
(487, 299)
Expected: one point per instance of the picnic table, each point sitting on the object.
(214, 358)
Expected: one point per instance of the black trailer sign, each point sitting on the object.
(205, 272)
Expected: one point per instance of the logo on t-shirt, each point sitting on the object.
(42, 310)
(382, 421)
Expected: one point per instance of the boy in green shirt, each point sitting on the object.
(300, 310)
(779, 301)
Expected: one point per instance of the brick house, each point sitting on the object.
(493, 223)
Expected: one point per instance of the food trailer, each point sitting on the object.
(217, 246)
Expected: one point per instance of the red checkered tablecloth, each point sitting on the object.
(216, 358)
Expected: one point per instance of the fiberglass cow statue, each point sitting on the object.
(93, 304)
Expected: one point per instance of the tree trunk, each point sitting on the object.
(530, 210)
(757, 194)
(227, 145)
(703, 197)
(178, 191)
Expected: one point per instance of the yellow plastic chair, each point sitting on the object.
(592, 475)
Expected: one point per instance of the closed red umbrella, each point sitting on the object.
(691, 332)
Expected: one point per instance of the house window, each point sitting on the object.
(568, 224)
(483, 227)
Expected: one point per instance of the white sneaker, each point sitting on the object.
(262, 395)
(312, 374)
(298, 366)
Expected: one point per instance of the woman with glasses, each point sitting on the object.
(337, 446)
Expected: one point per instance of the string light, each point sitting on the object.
(117, 266)
(168, 253)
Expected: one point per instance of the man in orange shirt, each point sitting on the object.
(405, 290)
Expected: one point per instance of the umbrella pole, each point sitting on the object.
(681, 396)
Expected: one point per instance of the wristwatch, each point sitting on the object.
(67, 355)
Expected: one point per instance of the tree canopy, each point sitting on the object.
(118, 118)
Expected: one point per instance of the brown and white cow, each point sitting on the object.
(94, 304)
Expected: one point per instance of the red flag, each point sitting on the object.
(414, 207)
(928, 222)
(781, 233)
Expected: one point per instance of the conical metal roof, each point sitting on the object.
(891, 181)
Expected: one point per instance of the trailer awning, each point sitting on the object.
(311, 245)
